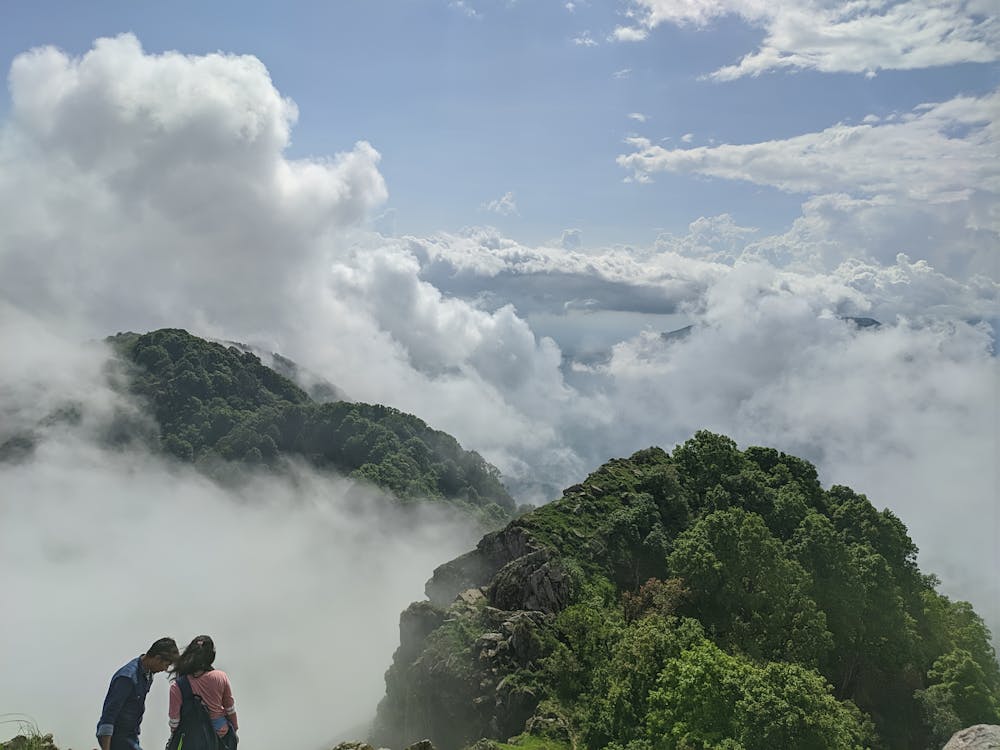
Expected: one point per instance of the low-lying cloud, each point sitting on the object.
(299, 578)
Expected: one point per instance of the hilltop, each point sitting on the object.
(220, 408)
(709, 597)
(215, 402)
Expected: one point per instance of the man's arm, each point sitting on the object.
(118, 693)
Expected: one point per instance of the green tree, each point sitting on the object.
(746, 591)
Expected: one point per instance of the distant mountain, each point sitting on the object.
(315, 386)
(706, 598)
(678, 334)
(862, 322)
(220, 406)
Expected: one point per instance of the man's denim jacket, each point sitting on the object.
(125, 703)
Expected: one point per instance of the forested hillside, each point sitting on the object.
(220, 406)
(708, 598)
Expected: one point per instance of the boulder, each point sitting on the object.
(978, 737)
(475, 569)
(534, 581)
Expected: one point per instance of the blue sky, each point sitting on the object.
(467, 106)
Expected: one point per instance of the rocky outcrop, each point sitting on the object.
(536, 581)
(476, 568)
(418, 621)
(978, 737)
(459, 672)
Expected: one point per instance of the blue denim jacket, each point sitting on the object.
(124, 706)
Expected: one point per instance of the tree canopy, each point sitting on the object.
(223, 409)
(721, 599)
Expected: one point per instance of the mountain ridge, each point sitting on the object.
(710, 597)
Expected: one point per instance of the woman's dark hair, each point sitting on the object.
(197, 657)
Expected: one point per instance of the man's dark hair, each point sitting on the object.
(165, 647)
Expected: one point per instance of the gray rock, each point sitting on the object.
(978, 737)
(475, 569)
(415, 623)
(421, 745)
(535, 582)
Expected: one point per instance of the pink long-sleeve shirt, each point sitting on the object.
(214, 689)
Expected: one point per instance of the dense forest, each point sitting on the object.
(707, 598)
(221, 408)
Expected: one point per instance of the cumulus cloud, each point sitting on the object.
(715, 238)
(148, 181)
(835, 36)
(937, 166)
(628, 34)
(637, 116)
(585, 40)
(505, 205)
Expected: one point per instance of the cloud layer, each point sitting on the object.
(834, 36)
(926, 183)
(299, 579)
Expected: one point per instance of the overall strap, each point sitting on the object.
(186, 693)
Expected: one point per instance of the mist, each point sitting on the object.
(298, 578)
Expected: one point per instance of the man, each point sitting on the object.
(118, 727)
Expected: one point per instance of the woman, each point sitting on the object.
(212, 685)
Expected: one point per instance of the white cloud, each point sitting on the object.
(717, 238)
(505, 205)
(169, 170)
(637, 116)
(937, 169)
(835, 228)
(628, 34)
(940, 153)
(623, 73)
(839, 35)
(687, 137)
(585, 40)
